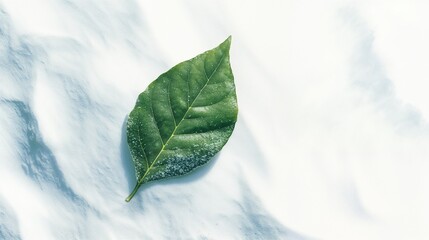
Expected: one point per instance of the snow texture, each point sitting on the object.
(331, 142)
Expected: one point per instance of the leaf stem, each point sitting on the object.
(136, 188)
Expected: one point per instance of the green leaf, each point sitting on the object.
(183, 118)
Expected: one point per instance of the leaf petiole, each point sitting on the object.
(136, 188)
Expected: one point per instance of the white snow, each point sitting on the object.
(331, 143)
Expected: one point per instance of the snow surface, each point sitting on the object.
(331, 143)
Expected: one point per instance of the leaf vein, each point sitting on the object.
(142, 147)
(169, 100)
(217, 102)
(189, 90)
(154, 118)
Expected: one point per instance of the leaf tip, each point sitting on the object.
(227, 42)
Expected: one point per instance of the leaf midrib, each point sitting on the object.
(140, 181)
